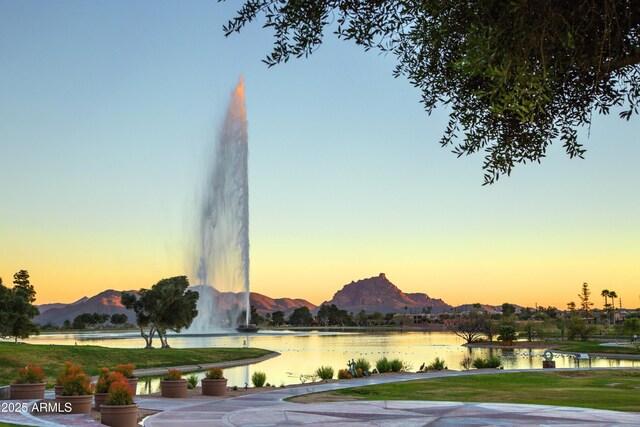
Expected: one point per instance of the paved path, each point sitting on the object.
(268, 409)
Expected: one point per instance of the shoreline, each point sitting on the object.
(154, 372)
(549, 346)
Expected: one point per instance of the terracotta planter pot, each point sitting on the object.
(176, 388)
(119, 415)
(214, 387)
(79, 404)
(27, 391)
(99, 399)
(133, 383)
(57, 389)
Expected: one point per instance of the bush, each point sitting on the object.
(491, 362)
(214, 374)
(308, 377)
(383, 365)
(120, 393)
(325, 372)
(76, 385)
(363, 364)
(29, 375)
(343, 374)
(172, 375)
(258, 378)
(105, 380)
(467, 363)
(396, 365)
(437, 365)
(68, 369)
(192, 381)
(125, 369)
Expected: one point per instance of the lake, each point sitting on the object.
(302, 352)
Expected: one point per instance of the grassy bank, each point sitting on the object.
(595, 347)
(52, 357)
(613, 390)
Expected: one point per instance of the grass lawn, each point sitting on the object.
(595, 347)
(617, 390)
(92, 357)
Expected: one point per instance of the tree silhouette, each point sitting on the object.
(515, 76)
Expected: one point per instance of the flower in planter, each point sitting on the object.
(173, 375)
(105, 381)
(214, 374)
(69, 369)
(74, 381)
(125, 369)
(120, 393)
(29, 375)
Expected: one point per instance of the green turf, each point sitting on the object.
(10, 425)
(613, 390)
(595, 347)
(52, 357)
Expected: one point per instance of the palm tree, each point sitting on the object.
(613, 296)
(605, 294)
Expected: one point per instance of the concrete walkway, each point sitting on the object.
(268, 409)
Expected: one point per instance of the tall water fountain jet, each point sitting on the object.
(221, 264)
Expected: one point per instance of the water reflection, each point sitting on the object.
(302, 352)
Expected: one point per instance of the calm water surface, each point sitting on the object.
(302, 352)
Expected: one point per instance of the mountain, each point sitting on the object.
(109, 302)
(264, 304)
(105, 302)
(379, 294)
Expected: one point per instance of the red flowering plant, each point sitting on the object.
(74, 381)
(30, 374)
(125, 369)
(173, 375)
(68, 369)
(105, 381)
(214, 374)
(120, 393)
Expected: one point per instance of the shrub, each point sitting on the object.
(29, 375)
(437, 365)
(363, 364)
(343, 374)
(76, 385)
(105, 381)
(308, 377)
(120, 393)
(467, 363)
(125, 369)
(68, 369)
(258, 378)
(396, 365)
(491, 362)
(214, 374)
(383, 365)
(359, 373)
(325, 372)
(172, 375)
(192, 381)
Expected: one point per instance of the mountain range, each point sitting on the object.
(379, 294)
(372, 294)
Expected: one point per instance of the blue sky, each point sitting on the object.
(108, 111)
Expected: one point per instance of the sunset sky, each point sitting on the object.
(107, 110)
